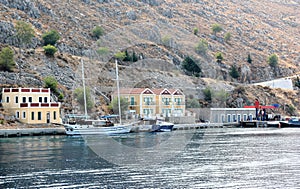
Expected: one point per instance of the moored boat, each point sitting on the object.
(154, 125)
(81, 125)
(162, 126)
(293, 122)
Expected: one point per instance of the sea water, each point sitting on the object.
(204, 158)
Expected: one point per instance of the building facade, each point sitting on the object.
(224, 115)
(31, 105)
(154, 102)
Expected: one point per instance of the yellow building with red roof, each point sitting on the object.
(31, 105)
(148, 102)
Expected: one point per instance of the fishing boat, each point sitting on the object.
(82, 125)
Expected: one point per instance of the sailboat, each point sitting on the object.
(82, 125)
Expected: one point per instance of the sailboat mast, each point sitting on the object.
(84, 93)
(118, 91)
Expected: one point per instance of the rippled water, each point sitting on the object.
(210, 158)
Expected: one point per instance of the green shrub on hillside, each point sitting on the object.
(50, 50)
(51, 37)
(124, 103)
(97, 32)
(234, 72)
(61, 97)
(196, 31)
(216, 28)
(79, 95)
(24, 32)
(273, 60)
(227, 37)
(166, 40)
(103, 51)
(51, 82)
(201, 47)
(219, 57)
(7, 59)
(120, 55)
(190, 65)
(208, 93)
(192, 103)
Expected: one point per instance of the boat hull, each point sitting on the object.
(91, 130)
(289, 125)
(162, 128)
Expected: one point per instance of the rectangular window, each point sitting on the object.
(40, 99)
(16, 99)
(239, 117)
(17, 114)
(178, 101)
(54, 115)
(39, 115)
(148, 100)
(23, 115)
(216, 118)
(24, 99)
(45, 99)
(250, 117)
(245, 117)
(228, 118)
(234, 118)
(166, 101)
(7, 99)
(32, 115)
(166, 112)
(131, 100)
(30, 99)
(223, 118)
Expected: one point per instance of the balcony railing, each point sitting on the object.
(26, 90)
(166, 103)
(149, 103)
(39, 105)
(132, 104)
(179, 103)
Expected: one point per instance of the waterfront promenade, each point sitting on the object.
(59, 130)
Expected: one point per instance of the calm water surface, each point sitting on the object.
(210, 158)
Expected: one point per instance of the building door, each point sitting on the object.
(48, 117)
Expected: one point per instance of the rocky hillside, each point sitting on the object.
(161, 33)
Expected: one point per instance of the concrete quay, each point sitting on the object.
(197, 126)
(17, 132)
(147, 128)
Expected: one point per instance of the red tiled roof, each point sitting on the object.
(156, 91)
(130, 91)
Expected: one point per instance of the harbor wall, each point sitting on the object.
(31, 132)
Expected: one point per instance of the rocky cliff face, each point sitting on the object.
(161, 33)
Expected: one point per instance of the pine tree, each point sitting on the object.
(273, 60)
(134, 57)
(234, 72)
(249, 60)
(7, 59)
